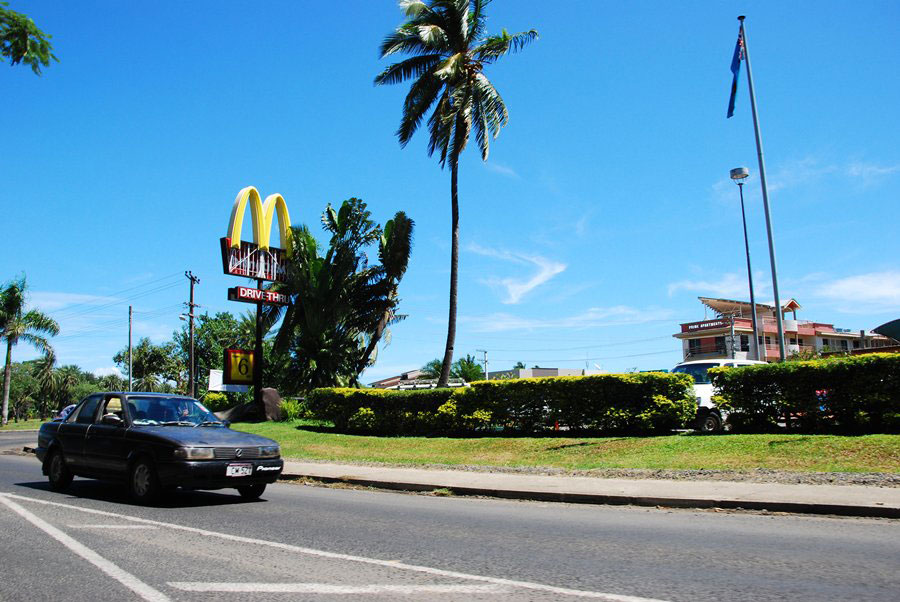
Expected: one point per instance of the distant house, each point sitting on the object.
(538, 372)
(394, 381)
(729, 334)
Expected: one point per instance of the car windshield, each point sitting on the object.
(169, 411)
(698, 371)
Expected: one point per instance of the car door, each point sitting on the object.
(72, 432)
(104, 444)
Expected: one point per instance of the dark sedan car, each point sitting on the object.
(155, 442)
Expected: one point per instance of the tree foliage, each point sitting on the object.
(22, 42)
(341, 305)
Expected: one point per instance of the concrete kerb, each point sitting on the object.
(613, 499)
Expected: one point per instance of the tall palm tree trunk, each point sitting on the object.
(454, 275)
(4, 418)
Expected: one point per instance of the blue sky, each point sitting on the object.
(604, 210)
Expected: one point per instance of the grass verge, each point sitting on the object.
(803, 453)
(22, 425)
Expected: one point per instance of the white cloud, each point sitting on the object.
(729, 285)
(593, 317)
(503, 170)
(871, 292)
(106, 371)
(517, 288)
(48, 301)
(870, 173)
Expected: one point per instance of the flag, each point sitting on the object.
(736, 69)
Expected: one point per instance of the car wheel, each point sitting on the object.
(251, 492)
(58, 473)
(711, 423)
(143, 482)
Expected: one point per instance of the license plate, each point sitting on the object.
(239, 470)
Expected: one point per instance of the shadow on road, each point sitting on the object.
(117, 493)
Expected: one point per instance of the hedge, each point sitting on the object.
(852, 394)
(612, 403)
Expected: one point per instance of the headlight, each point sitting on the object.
(270, 451)
(193, 453)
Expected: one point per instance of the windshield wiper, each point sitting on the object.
(178, 423)
(206, 422)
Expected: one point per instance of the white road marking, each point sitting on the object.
(127, 579)
(328, 588)
(112, 527)
(564, 591)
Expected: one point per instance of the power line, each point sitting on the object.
(582, 359)
(616, 344)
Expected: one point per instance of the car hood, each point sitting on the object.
(213, 436)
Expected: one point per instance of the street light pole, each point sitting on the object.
(738, 174)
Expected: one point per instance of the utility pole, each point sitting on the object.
(731, 320)
(484, 351)
(192, 389)
(130, 312)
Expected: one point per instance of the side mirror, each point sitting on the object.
(112, 420)
(227, 423)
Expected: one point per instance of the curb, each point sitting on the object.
(617, 500)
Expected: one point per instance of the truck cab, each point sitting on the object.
(709, 417)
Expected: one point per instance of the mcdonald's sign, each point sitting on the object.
(257, 259)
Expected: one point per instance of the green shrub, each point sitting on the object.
(216, 402)
(292, 409)
(614, 403)
(854, 394)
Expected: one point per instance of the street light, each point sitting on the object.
(739, 174)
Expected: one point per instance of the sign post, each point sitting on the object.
(258, 261)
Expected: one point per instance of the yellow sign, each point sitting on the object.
(238, 367)
(262, 214)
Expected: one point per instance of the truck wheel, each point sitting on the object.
(711, 423)
(251, 492)
(58, 473)
(143, 482)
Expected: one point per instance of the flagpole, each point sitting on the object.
(765, 194)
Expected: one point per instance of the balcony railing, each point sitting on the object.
(701, 351)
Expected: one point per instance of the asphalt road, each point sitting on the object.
(311, 543)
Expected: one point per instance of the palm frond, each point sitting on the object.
(412, 67)
(419, 100)
(494, 47)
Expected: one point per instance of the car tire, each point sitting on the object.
(711, 423)
(143, 483)
(58, 473)
(251, 492)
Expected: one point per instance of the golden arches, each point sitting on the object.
(262, 214)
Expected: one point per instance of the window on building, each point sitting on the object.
(693, 346)
(844, 345)
(768, 340)
(745, 342)
(793, 341)
(826, 343)
(856, 344)
(720, 344)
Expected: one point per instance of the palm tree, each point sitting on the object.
(16, 324)
(449, 49)
(47, 377)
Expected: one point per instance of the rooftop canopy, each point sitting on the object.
(727, 307)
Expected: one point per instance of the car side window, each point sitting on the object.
(113, 406)
(88, 409)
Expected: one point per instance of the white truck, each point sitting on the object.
(709, 417)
